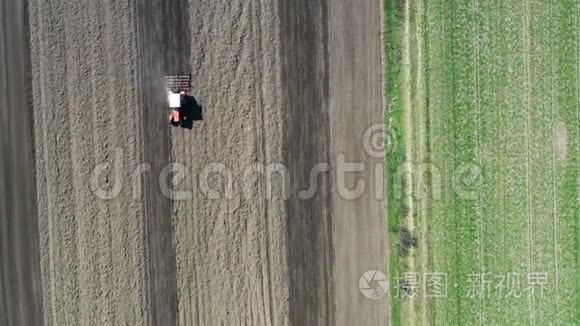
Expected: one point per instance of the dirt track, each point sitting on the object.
(355, 112)
(20, 290)
(290, 82)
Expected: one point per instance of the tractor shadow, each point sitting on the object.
(192, 111)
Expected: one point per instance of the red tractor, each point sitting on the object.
(177, 88)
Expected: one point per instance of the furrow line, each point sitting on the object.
(100, 145)
(139, 75)
(527, 50)
(479, 216)
(261, 158)
(554, 157)
(77, 84)
(504, 150)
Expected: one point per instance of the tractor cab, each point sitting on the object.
(177, 88)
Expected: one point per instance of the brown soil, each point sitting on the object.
(290, 82)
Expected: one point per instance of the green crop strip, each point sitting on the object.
(394, 154)
(483, 179)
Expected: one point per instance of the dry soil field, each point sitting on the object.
(132, 222)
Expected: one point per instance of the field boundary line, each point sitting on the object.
(49, 194)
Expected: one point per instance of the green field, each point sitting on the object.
(483, 110)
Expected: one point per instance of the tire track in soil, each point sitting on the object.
(42, 201)
(152, 28)
(261, 156)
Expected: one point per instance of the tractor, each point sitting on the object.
(177, 88)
